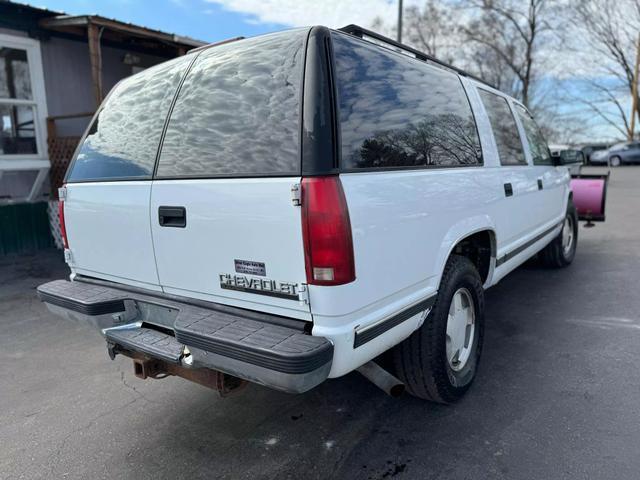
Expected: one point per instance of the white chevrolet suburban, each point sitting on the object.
(285, 209)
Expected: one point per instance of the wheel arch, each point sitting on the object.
(476, 239)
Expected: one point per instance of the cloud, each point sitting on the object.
(331, 13)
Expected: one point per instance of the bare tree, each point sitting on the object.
(430, 28)
(508, 34)
(507, 43)
(608, 32)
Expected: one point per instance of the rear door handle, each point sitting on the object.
(540, 184)
(172, 217)
(508, 190)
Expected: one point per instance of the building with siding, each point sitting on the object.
(55, 69)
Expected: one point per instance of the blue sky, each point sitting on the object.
(213, 20)
(199, 19)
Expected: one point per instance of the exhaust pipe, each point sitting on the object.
(382, 379)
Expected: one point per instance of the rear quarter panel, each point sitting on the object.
(404, 225)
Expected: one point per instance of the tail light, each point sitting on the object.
(326, 232)
(63, 228)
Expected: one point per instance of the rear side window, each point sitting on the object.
(537, 144)
(505, 130)
(399, 112)
(237, 113)
(122, 142)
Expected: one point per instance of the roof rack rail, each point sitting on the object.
(360, 32)
(209, 45)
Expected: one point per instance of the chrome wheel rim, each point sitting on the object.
(567, 235)
(615, 162)
(461, 326)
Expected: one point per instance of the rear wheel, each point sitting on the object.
(438, 362)
(562, 249)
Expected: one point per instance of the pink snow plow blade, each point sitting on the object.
(589, 196)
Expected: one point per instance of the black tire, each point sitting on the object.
(555, 255)
(421, 360)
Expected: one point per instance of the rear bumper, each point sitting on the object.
(265, 349)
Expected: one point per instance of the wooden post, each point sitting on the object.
(51, 127)
(95, 57)
(634, 93)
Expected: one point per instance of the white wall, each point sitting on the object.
(68, 83)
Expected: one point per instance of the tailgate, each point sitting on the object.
(240, 243)
(223, 223)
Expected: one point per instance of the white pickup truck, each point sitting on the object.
(285, 209)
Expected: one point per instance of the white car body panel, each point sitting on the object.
(399, 247)
(249, 219)
(109, 233)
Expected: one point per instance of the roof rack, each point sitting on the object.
(360, 32)
(209, 45)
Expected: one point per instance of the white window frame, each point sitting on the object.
(40, 160)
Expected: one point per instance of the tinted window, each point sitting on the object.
(399, 112)
(505, 130)
(237, 112)
(537, 144)
(123, 140)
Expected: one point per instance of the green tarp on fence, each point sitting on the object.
(24, 228)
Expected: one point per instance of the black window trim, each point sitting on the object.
(343, 169)
(165, 125)
(228, 176)
(516, 120)
(319, 153)
(410, 167)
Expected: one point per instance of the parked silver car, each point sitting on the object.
(620, 154)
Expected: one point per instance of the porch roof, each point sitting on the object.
(120, 32)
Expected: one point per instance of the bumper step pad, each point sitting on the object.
(252, 345)
(83, 297)
(270, 346)
(145, 340)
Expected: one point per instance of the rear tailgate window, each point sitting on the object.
(238, 111)
(123, 140)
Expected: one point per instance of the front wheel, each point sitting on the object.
(615, 161)
(439, 361)
(562, 249)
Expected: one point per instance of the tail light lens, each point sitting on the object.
(63, 228)
(326, 231)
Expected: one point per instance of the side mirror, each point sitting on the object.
(568, 157)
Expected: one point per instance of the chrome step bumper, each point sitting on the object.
(254, 346)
